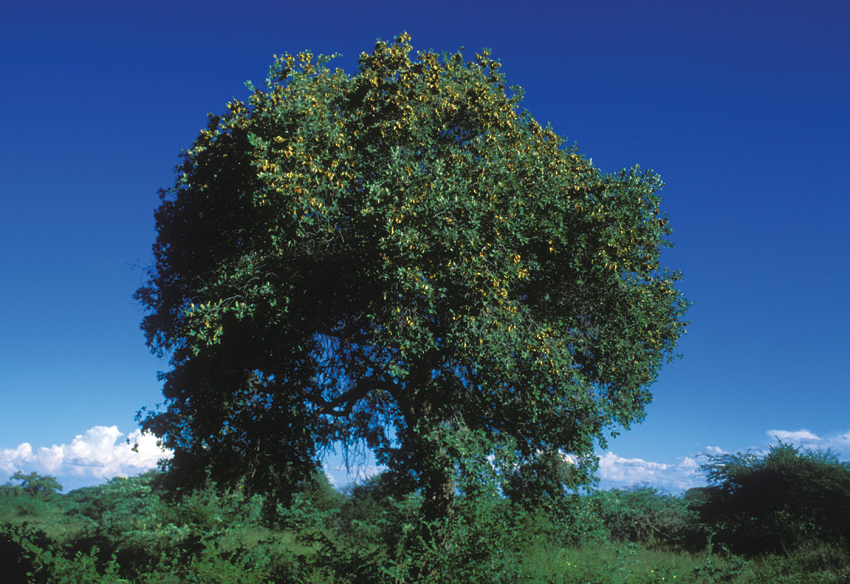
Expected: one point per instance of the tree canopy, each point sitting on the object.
(403, 259)
(36, 485)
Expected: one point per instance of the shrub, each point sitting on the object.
(647, 516)
(777, 502)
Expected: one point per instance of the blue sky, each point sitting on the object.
(741, 107)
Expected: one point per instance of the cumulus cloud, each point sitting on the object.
(714, 450)
(618, 472)
(839, 444)
(89, 459)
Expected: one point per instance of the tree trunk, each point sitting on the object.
(436, 469)
(438, 492)
(436, 515)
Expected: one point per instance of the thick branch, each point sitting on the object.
(347, 399)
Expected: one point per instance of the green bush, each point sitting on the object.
(35, 496)
(812, 563)
(777, 502)
(648, 516)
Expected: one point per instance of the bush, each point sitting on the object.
(777, 502)
(647, 516)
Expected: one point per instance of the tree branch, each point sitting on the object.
(347, 399)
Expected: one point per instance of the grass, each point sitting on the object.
(612, 563)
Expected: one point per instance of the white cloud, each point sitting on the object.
(714, 450)
(618, 472)
(8, 458)
(842, 443)
(89, 459)
(839, 444)
(799, 436)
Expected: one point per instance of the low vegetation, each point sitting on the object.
(771, 518)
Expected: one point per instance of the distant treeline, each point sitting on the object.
(783, 516)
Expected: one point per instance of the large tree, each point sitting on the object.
(401, 259)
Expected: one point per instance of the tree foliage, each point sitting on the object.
(777, 501)
(401, 259)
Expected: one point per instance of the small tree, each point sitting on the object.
(37, 486)
(776, 501)
(402, 259)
